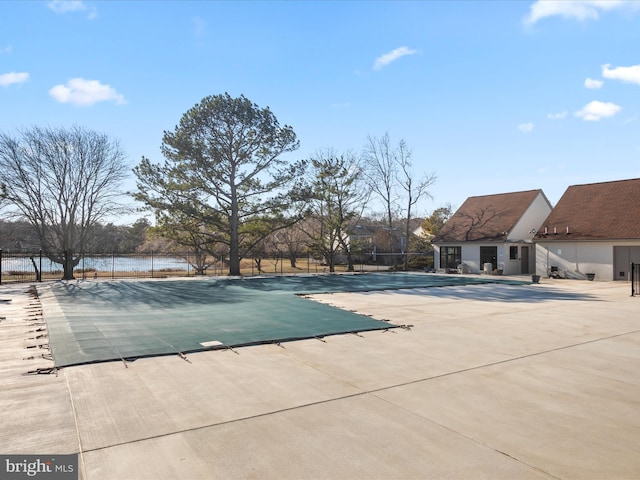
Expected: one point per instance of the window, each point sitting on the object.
(450, 257)
(513, 253)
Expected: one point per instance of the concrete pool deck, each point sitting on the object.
(492, 381)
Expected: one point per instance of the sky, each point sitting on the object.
(490, 96)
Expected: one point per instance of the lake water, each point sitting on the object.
(101, 264)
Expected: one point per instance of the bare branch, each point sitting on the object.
(63, 181)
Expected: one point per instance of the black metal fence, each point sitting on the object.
(635, 279)
(35, 266)
(24, 266)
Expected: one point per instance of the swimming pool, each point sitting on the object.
(97, 321)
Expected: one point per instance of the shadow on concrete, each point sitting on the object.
(124, 295)
(499, 293)
(360, 282)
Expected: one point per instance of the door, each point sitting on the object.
(622, 257)
(489, 255)
(524, 259)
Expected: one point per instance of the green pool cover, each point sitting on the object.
(102, 321)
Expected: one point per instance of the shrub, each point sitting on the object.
(419, 263)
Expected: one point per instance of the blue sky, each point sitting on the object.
(493, 97)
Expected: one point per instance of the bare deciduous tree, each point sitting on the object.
(63, 182)
(390, 177)
(337, 200)
(293, 241)
(414, 190)
(381, 172)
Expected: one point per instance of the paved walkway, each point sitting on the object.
(494, 381)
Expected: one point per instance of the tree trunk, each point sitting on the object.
(407, 232)
(349, 254)
(234, 248)
(234, 261)
(67, 266)
(35, 267)
(200, 260)
(394, 260)
(332, 267)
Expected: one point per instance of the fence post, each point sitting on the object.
(151, 263)
(0, 266)
(633, 278)
(40, 262)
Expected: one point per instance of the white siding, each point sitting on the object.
(531, 220)
(513, 267)
(522, 233)
(576, 259)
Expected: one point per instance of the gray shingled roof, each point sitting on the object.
(486, 218)
(596, 211)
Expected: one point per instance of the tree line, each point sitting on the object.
(224, 187)
(20, 236)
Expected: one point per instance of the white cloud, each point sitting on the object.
(64, 6)
(7, 79)
(557, 116)
(626, 74)
(79, 91)
(596, 111)
(6, 49)
(593, 84)
(576, 9)
(387, 58)
(526, 127)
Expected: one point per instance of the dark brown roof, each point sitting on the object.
(486, 218)
(597, 211)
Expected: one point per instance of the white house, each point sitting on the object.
(594, 229)
(492, 233)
